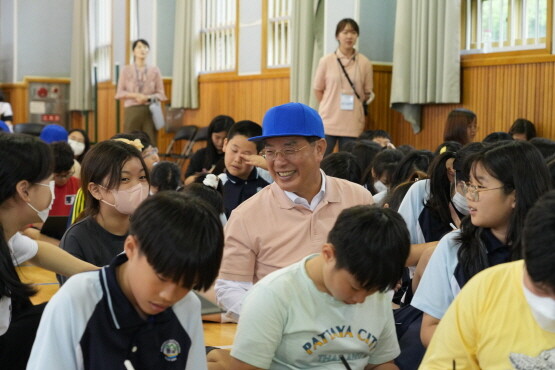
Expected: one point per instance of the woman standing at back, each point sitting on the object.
(138, 85)
(343, 81)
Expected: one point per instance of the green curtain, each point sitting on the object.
(185, 60)
(307, 35)
(80, 89)
(426, 56)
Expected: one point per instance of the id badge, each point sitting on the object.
(347, 102)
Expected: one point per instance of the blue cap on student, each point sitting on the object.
(291, 119)
(4, 127)
(52, 133)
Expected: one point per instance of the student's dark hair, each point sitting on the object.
(405, 149)
(372, 244)
(366, 135)
(23, 157)
(551, 167)
(1, 96)
(456, 126)
(142, 41)
(87, 143)
(220, 123)
(181, 237)
(448, 146)
(343, 23)
(497, 136)
(378, 133)
(349, 146)
(165, 176)
(545, 146)
(342, 165)
(395, 196)
(523, 126)
(365, 151)
(538, 236)
(520, 168)
(417, 160)
(105, 161)
(461, 165)
(207, 193)
(63, 156)
(384, 163)
(440, 187)
(248, 129)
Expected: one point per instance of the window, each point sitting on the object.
(279, 33)
(504, 25)
(217, 35)
(100, 17)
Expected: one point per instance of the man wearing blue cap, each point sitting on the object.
(289, 219)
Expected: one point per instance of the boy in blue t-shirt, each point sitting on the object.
(137, 312)
(241, 179)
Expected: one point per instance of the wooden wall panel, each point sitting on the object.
(16, 95)
(497, 93)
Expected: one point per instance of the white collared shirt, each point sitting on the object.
(315, 201)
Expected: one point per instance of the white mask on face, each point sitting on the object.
(43, 215)
(380, 186)
(543, 309)
(460, 203)
(77, 147)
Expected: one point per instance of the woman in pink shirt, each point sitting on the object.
(138, 85)
(340, 96)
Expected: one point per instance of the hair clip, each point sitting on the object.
(136, 143)
(211, 180)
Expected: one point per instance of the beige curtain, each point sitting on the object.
(426, 56)
(307, 35)
(185, 60)
(80, 89)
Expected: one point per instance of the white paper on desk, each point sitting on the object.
(37, 107)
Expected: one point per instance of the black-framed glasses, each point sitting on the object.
(289, 153)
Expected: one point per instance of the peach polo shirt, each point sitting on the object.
(268, 231)
(331, 80)
(129, 83)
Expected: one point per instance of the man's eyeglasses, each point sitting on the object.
(63, 176)
(289, 153)
(474, 191)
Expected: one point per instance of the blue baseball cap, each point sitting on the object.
(4, 127)
(52, 133)
(291, 119)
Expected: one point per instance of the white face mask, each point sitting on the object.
(77, 147)
(543, 309)
(380, 186)
(43, 215)
(460, 203)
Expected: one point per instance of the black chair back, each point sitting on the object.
(28, 128)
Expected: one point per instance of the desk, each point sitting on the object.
(217, 334)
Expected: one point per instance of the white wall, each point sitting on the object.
(43, 36)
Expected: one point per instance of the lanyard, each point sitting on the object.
(348, 78)
(140, 82)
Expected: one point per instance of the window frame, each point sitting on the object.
(499, 57)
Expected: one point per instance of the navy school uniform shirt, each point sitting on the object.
(236, 190)
(90, 324)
